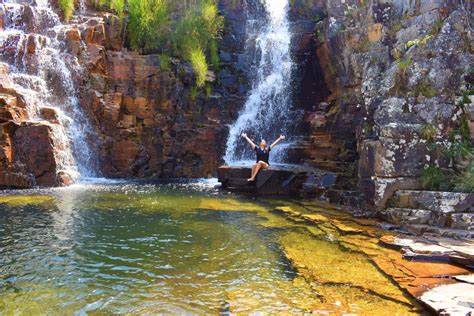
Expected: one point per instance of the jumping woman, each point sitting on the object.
(263, 153)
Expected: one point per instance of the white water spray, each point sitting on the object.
(45, 78)
(267, 111)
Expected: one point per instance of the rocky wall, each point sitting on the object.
(150, 118)
(391, 68)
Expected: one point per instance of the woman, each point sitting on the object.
(263, 154)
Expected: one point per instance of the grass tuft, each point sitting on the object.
(432, 177)
(198, 61)
(66, 7)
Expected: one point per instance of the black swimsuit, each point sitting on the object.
(263, 155)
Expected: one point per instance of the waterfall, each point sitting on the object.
(45, 74)
(267, 110)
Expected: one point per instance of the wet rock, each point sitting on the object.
(450, 299)
(73, 41)
(94, 34)
(50, 115)
(33, 147)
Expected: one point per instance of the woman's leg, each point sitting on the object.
(253, 171)
(259, 165)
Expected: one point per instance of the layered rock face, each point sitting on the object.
(390, 68)
(150, 118)
(29, 152)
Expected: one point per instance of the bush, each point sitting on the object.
(192, 36)
(428, 132)
(198, 61)
(401, 80)
(118, 6)
(432, 177)
(465, 181)
(425, 89)
(148, 25)
(165, 62)
(67, 7)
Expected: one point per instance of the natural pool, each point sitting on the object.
(185, 248)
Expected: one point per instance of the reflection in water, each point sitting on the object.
(176, 248)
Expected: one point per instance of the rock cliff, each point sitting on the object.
(392, 70)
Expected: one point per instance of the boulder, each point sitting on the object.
(73, 41)
(33, 147)
(277, 180)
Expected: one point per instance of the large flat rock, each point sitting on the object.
(451, 299)
(277, 180)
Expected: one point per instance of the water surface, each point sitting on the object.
(172, 248)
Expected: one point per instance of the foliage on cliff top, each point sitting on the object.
(66, 7)
(118, 6)
(191, 33)
(148, 24)
(198, 61)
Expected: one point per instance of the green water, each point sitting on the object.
(150, 249)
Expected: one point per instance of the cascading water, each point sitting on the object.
(44, 74)
(267, 111)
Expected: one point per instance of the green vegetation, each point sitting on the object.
(403, 64)
(437, 25)
(460, 143)
(465, 181)
(192, 36)
(418, 41)
(401, 80)
(118, 6)
(67, 7)
(459, 151)
(148, 24)
(165, 62)
(363, 45)
(425, 89)
(428, 132)
(432, 177)
(198, 61)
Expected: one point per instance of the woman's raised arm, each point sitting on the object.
(244, 135)
(276, 141)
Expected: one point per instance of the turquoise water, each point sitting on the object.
(147, 249)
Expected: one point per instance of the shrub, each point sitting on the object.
(198, 61)
(432, 177)
(428, 132)
(118, 6)
(148, 24)
(67, 7)
(199, 27)
(193, 35)
(465, 181)
(401, 80)
(165, 62)
(425, 89)
(460, 147)
(403, 64)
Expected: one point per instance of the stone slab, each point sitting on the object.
(450, 299)
(277, 180)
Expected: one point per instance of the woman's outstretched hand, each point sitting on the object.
(244, 135)
(282, 137)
